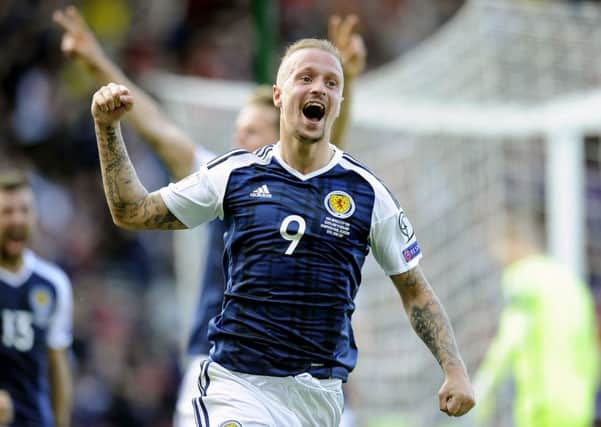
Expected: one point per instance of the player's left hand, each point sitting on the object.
(456, 396)
(341, 33)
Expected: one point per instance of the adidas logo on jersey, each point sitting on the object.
(261, 191)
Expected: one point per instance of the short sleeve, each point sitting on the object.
(393, 240)
(60, 330)
(198, 198)
(194, 200)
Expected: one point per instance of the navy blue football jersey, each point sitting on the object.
(295, 244)
(35, 315)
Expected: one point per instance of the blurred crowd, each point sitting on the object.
(125, 352)
(126, 348)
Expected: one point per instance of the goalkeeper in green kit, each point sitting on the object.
(546, 338)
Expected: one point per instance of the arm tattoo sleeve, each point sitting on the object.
(428, 318)
(157, 218)
(129, 202)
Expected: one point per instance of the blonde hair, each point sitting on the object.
(262, 96)
(301, 44)
(13, 180)
(322, 44)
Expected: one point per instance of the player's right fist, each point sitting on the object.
(6, 409)
(110, 103)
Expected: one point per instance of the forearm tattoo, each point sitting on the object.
(429, 319)
(155, 217)
(118, 168)
(128, 200)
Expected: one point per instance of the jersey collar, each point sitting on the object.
(21, 276)
(304, 177)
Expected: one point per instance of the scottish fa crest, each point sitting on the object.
(339, 204)
(40, 300)
(230, 423)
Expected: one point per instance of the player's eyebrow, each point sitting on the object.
(306, 69)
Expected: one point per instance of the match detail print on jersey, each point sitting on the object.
(341, 206)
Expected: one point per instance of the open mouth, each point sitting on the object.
(17, 234)
(314, 111)
(12, 247)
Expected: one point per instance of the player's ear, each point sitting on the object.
(277, 96)
(339, 107)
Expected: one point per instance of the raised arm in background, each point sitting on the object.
(130, 204)
(432, 325)
(173, 146)
(341, 33)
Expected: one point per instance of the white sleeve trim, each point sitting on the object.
(199, 197)
(395, 252)
(60, 329)
(394, 247)
(193, 200)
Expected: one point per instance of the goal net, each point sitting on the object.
(493, 114)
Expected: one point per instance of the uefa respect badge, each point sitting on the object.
(405, 227)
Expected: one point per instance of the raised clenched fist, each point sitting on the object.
(110, 103)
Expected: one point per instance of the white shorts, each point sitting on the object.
(188, 391)
(348, 418)
(234, 399)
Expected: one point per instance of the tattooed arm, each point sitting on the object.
(428, 318)
(432, 325)
(130, 204)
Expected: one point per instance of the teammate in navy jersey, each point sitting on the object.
(35, 320)
(300, 218)
(257, 125)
